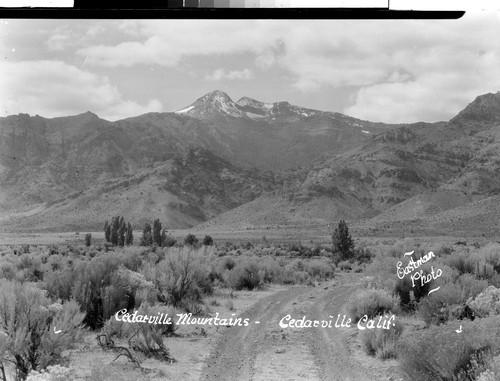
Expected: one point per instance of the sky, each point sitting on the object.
(392, 71)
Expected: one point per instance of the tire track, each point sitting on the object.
(264, 351)
(234, 355)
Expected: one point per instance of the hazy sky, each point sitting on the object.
(382, 70)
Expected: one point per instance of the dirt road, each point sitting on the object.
(265, 351)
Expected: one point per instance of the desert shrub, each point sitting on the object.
(344, 265)
(122, 330)
(7, 270)
(437, 307)
(208, 241)
(495, 280)
(485, 270)
(296, 277)
(408, 293)
(99, 290)
(383, 270)
(382, 342)
(53, 373)
(213, 302)
(29, 268)
(443, 250)
(394, 252)
(440, 354)
(123, 291)
(246, 275)
(297, 265)
(362, 255)
(460, 261)
(487, 303)
(169, 241)
(372, 303)
(470, 285)
(143, 339)
(316, 250)
(181, 278)
(448, 275)
(229, 305)
(59, 284)
(271, 270)
(491, 255)
(304, 272)
(27, 319)
(491, 371)
(400, 247)
(320, 270)
(190, 240)
(411, 292)
(227, 263)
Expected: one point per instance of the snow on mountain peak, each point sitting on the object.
(218, 102)
(246, 101)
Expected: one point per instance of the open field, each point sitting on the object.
(262, 283)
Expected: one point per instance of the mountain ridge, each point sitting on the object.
(213, 161)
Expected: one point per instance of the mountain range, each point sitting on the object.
(248, 164)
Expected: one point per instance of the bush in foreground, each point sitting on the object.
(440, 353)
(28, 320)
(487, 303)
(372, 303)
(244, 276)
(382, 343)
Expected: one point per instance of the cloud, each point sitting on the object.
(166, 43)
(219, 74)
(59, 42)
(54, 88)
(434, 78)
(398, 70)
(73, 35)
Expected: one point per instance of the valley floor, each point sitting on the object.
(259, 352)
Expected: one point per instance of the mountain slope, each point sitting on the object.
(425, 176)
(250, 163)
(182, 191)
(276, 136)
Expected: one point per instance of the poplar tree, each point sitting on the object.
(121, 231)
(343, 245)
(157, 233)
(147, 238)
(107, 231)
(129, 237)
(115, 223)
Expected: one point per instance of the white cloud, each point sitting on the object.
(219, 74)
(58, 41)
(54, 88)
(398, 70)
(166, 43)
(440, 75)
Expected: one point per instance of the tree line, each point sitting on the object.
(119, 233)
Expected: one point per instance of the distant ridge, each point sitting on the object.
(250, 163)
